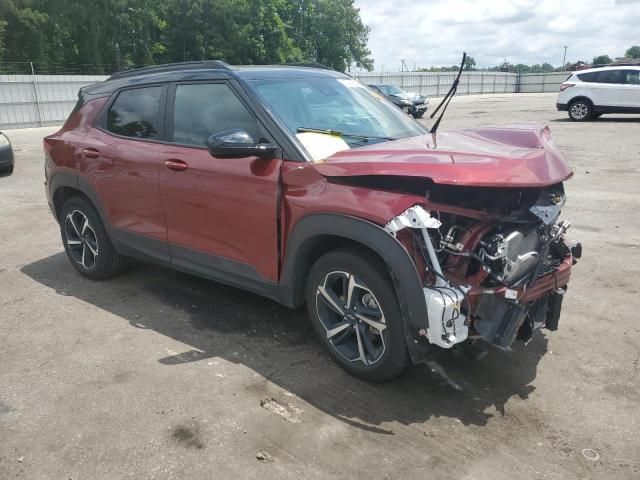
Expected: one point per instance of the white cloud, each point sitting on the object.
(435, 32)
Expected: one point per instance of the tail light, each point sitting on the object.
(564, 86)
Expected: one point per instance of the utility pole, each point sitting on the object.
(564, 58)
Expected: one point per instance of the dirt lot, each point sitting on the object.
(156, 374)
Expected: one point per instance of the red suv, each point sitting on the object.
(303, 185)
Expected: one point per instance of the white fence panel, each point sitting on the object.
(542, 82)
(435, 84)
(31, 101)
(37, 100)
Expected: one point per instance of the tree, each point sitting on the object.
(100, 36)
(633, 52)
(469, 63)
(602, 59)
(3, 25)
(24, 34)
(329, 32)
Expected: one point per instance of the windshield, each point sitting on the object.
(342, 107)
(391, 90)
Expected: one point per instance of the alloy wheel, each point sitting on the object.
(351, 315)
(81, 239)
(579, 111)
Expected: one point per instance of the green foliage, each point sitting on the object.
(633, 52)
(469, 63)
(3, 25)
(601, 60)
(101, 36)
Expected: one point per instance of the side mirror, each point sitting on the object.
(237, 143)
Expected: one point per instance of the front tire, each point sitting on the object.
(86, 241)
(354, 311)
(418, 114)
(580, 110)
(6, 170)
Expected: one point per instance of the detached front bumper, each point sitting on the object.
(500, 315)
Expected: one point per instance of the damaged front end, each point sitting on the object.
(495, 262)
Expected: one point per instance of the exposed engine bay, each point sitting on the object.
(495, 264)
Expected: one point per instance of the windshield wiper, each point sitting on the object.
(338, 133)
(447, 98)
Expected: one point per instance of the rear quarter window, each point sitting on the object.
(588, 77)
(134, 113)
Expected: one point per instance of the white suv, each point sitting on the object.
(590, 93)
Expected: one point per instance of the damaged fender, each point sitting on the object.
(310, 230)
(447, 324)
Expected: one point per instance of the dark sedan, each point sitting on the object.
(6, 155)
(414, 103)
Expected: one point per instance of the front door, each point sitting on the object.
(607, 89)
(631, 89)
(221, 212)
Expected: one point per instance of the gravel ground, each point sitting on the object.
(156, 374)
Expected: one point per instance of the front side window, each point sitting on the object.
(202, 110)
(135, 113)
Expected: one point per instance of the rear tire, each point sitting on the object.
(367, 337)
(86, 241)
(580, 110)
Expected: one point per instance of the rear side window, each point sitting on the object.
(609, 76)
(631, 77)
(603, 76)
(204, 109)
(135, 113)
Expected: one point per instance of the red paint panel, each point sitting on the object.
(223, 206)
(306, 192)
(516, 156)
(125, 176)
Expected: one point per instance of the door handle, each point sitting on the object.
(176, 165)
(90, 153)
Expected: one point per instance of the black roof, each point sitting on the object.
(207, 70)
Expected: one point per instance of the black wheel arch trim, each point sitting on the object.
(77, 182)
(398, 261)
(577, 98)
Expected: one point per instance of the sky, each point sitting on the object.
(435, 32)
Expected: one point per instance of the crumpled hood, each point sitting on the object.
(522, 155)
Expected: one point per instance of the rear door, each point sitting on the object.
(606, 90)
(120, 160)
(631, 88)
(221, 212)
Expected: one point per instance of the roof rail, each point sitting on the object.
(171, 67)
(308, 64)
(621, 64)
